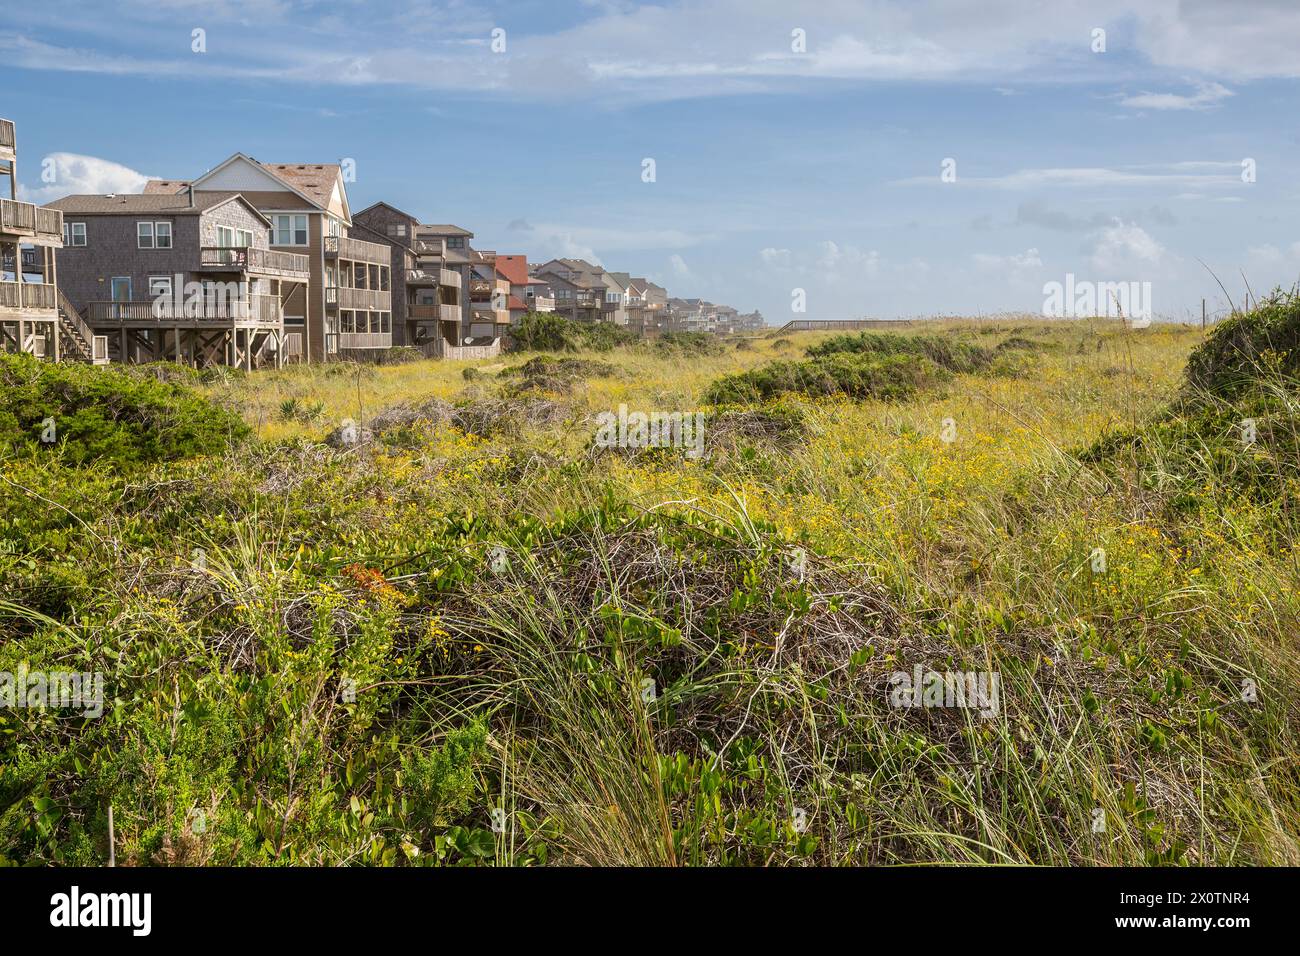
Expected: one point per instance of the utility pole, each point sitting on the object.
(1202, 315)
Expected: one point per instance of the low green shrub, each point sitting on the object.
(887, 377)
(90, 414)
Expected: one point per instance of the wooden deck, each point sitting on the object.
(266, 262)
(8, 147)
(365, 300)
(31, 223)
(263, 311)
(28, 297)
(358, 250)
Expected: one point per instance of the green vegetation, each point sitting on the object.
(548, 332)
(121, 418)
(892, 377)
(462, 639)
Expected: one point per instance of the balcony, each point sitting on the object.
(368, 300)
(8, 147)
(541, 303)
(425, 277)
(28, 297)
(289, 265)
(357, 250)
(435, 313)
(31, 223)
(425, 248)
(258, 309)
(365, 340)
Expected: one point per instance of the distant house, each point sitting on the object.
(346, 306)
(579, 288)
(187, 277)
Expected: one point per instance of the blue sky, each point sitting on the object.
(776, 168)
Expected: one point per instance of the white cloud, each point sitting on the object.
(1197, 174)
(680, 269)
(686, 48)
(1207, 96)
(1123, 247)
(71, 173)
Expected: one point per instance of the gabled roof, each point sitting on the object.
(622, 278)
(160, 204)
(390, 207)
(316, 183)
(514, 269)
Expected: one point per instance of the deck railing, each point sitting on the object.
(6, 134)
(365, 340)
(28, 295)
(25, 217)
(249, 258)
(257, 309)
(358, 250)
(369, 300)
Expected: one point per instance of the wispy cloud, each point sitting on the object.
(1207, 96)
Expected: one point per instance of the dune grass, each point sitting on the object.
(435, 647)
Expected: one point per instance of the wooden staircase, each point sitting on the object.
(76, 338)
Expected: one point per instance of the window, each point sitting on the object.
(74, 233)
(225, 237)
(456, 242)
(153, 235)
(335, 228)
(397, 229)
(160, 286)
(289, 230)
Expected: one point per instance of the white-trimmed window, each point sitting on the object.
(160, 286)
(397, 229)
(153, 235)
(245, 238)
(74, 233)
(290, 230)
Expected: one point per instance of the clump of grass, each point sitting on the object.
(698, 343)
(890, 377)
(1249, 347)
(546, 370)
(945, 351)
(548, 332)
